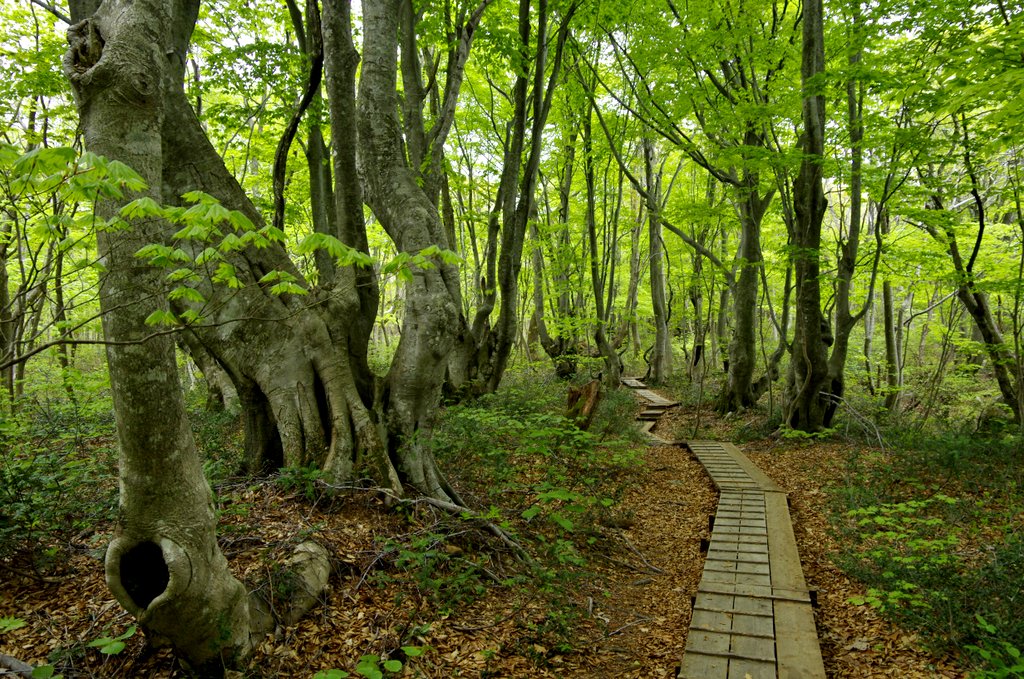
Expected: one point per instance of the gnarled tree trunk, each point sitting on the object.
(164, 565)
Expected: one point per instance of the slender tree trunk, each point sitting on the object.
(341, 62)
(611, 360)
(7, 348)
(484, 352)
(661, 357)
(845, 317)
(892, 362)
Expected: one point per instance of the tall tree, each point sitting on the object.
(164, 565)
(807, 390)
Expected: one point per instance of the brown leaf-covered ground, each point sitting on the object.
(627, 618)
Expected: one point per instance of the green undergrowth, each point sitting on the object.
(58, 464)
(530, 472)
(934, 528)
(58, 478)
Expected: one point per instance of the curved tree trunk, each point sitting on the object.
(164, 565)
(290, 359)
(412, 390)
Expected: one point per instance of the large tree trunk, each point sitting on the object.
(807, 401)
(290, 360)
(412, 389)
(164, 565)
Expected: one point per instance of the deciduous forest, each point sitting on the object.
(314, 316)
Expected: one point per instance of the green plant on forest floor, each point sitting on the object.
(1001, 658)
(548, 483)
(373, 666)
(935, 534)
(112, 645)
(302, 480)
(52, 487)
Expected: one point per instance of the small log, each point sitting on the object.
(583, 402)
(15, 667)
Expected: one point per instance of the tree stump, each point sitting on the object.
(583, 403)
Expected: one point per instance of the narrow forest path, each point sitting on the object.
(647, 615)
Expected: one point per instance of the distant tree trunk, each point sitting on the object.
(7, 348)
(975, 301)
(845, 317)
(628, 325)
(867, 348)
(561, 346)
(611, 360)
(892, 360)
(484, 351)
(738, 390)
(661, 357)
(807, 402)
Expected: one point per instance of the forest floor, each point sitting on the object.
(627, 618)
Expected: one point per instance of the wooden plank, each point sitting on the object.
(752, 595)
(655, 399)
(704, 667)
(750, 468)
(741, 668)
(799, 654)
(786, 570)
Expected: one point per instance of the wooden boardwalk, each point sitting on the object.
(752, 616)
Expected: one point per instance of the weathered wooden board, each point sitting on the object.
(752, 615)
(798, 649)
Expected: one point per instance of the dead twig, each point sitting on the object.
(650, 567)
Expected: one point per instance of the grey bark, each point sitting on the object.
(412, 389)
(612, 367)
(163, 565)
(484, 351)
(845, 317)
(739, 390)
(125, 63)
(661, 356)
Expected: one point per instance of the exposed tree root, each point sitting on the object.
(451, 507)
